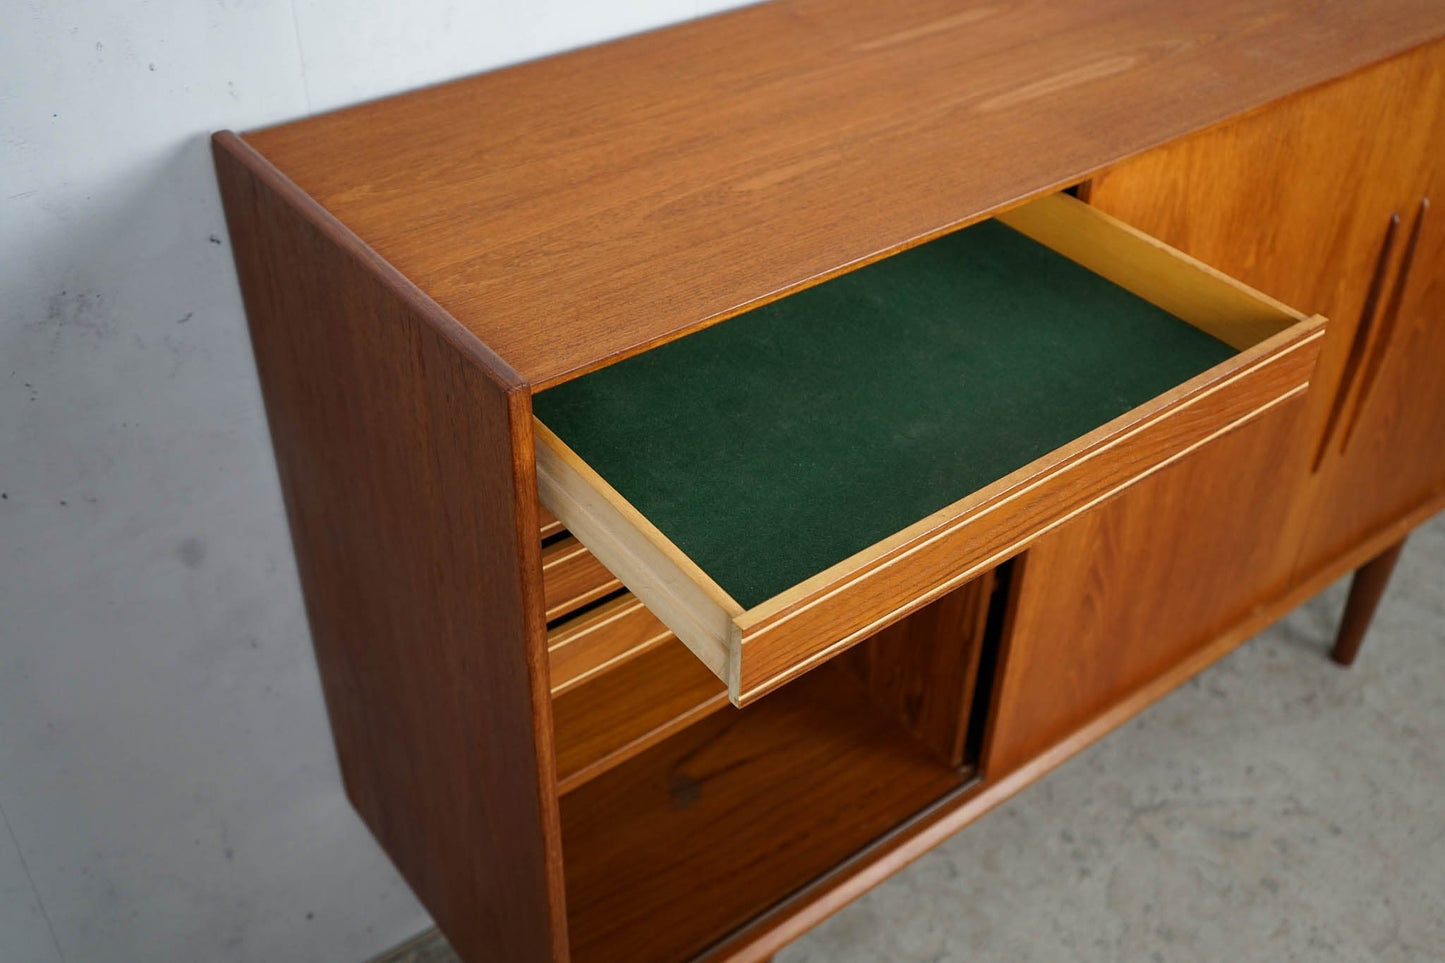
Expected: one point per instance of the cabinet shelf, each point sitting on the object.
(668, 852)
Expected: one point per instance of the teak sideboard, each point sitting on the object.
(724, 462)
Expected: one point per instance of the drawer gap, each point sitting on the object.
(995, 628)
(549, 527)
(572, 577)
(582, 613)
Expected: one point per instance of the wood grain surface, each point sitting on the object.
(550, 527)
(1294, 199)
(681, 844)
(407, 472)
(831, 613)
(1391, 454)
(600, 639)
(668, 582)
(579, 208)
(923, 669)
(1249, 196)
(784, 922)
(572, 577)
(1123, 594)
(617, 714)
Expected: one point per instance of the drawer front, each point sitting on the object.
(790, 635)
(573, 577)
(1271, 352)
(593, 642)
(548, 524)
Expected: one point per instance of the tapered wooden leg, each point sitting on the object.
(1365, 591)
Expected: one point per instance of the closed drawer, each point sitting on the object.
(586, 646)
(572, 577)
(548, 525)
(780, 486)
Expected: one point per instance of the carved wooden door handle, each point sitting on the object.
(1388, 323)
(1361, 339)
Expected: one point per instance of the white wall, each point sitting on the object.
(168, 789)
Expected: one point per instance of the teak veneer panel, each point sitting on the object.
(1246, 196)
(596, 640)
(575, 209)
(1294, 199)
(1389, 456)
(572, 577)
(924, 668)
(549, 526)
(407, 472)
(619, 713)
(681, 844)
(786, 921)
(1121, 595)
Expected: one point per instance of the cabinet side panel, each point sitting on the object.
(406, 462)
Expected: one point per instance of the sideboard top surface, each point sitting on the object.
(577, 209)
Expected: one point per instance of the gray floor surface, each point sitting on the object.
(1274, 808)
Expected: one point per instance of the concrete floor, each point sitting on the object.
(1275, 808)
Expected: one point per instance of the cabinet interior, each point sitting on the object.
(684, 817)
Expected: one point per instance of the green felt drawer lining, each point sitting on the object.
(776, 444)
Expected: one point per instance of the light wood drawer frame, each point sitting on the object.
(755, 650)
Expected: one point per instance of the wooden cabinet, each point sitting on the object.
(573, 745)
(1297, 199)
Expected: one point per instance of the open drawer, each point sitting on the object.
(780, 486)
